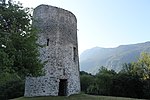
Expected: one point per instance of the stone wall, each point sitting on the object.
(58, 36)
(41, 86)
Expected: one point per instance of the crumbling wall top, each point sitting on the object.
(44, 7)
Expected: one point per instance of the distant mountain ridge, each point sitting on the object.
(112, 58)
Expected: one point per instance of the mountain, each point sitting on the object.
(112, 58)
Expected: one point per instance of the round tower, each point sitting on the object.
(57, 34)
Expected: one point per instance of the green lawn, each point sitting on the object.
(77, 97)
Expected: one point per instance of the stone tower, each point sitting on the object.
(58, 35)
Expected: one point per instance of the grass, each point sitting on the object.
(76, 97)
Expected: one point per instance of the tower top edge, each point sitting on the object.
(54, 7)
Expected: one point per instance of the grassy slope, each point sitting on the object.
(77, 97)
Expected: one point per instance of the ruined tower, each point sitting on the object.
(57, 31)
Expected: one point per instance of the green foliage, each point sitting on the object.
(11, 86)
(146, 88)
(143, 66)
(103, 80)
(18, 48)
(128, 69)
(93, 89)
(140, 68)
(12, 89)
(86, 79)
(132, 81)
(99, 83)
(126, 85)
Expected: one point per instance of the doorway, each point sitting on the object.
(62, 87)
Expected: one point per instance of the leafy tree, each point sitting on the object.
(140, 68)
(104, 71)
(93, 89)
(146, 89)
(143, 65)
(143, 70)
(127, 85)
(18, 49)
(86, 80)
(137, 74)
(104, 80)
(127, 68)
(10, 86)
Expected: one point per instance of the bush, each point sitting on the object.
(127, 83)
(93, 89)
(146, 89)
(127, 86)
(86, 80)
(12, 89)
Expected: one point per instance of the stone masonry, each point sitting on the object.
(57, 31)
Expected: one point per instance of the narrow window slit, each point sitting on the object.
(47, 42)
(63, 71)
(74, 53)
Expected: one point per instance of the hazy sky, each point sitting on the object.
(106, 23)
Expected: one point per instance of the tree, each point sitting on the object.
(140, 68)
(143, 70)
(127, 85)
(143, 65)
(18, 48)
(86, 80)
(104, 79)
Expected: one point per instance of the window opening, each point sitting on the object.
(63, 71)
(47, 42)
(74, 53)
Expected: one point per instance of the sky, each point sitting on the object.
(105, 23)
